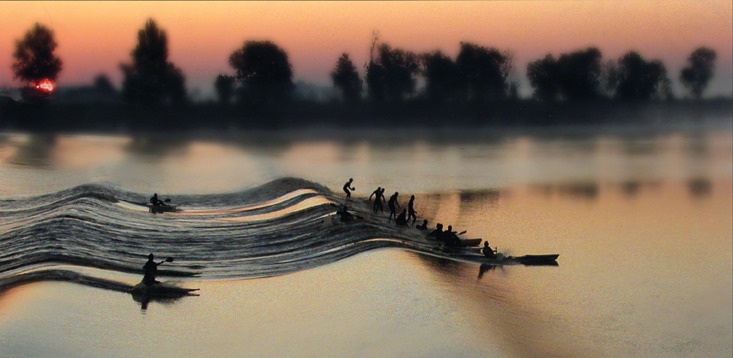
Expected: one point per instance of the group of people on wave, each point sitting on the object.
(448, 237)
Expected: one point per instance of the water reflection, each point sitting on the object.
(489, 197)
(36, 152)
(700, 187)
(156, 148)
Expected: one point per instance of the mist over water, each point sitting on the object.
(641, 220)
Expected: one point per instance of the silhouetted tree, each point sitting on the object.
(634, 78)
(224, 86)
(35, 60)
(264, 72)
(441, 76)
(151, 79)
(699, 71)
(579, 74)
(484, 72)
(390, 75)
(544, 76)
(346, 79)
(102, 83)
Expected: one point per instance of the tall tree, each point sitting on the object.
(391, 74)
(264, 72)
(151, 79)
(346, 79)
(224, 86)
(699, 71)
(484, 72)
(441, 76)
(579, 74)
(639, 80)
(35, 61)
(543, 75)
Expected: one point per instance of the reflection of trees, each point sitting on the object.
(582, 190)
(489, 196)
(630, 188)
(579, 190)
(36, 152)
(156, 148)
(700, 187)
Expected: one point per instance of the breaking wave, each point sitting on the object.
(283, 226)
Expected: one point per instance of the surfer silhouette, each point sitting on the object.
(411, 213)
(393, 205)
(348, 188)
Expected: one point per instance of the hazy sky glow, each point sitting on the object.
(95, 37)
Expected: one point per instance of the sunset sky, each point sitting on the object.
(95, 37)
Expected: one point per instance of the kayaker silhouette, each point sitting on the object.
(155, 201)
(150, 269)
(488, 251)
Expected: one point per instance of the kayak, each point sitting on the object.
(162, 208)
(161, 290)
(527, 260)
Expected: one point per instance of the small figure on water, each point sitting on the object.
(378, 197)
(438, 232)
(348, 188)
(344, 214)
(401, 220)
(393, 205)
(155, 201)
(424, 225)
(411, 213)
(450, 237)
(488, 251)
(379, 202)
(150, 270)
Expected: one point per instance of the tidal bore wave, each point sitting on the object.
(283, 226)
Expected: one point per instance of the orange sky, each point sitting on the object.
(94, 37)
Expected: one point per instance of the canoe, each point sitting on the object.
(162, 208)
(161, 290)
(535, 259)
(500, 259)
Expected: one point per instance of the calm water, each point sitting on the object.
(643, 223)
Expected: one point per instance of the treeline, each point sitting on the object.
(479, 81)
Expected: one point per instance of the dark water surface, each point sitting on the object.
(642, 222)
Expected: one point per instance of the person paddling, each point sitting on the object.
(155, 201)
(150, 270)
(488, 251)
(438, 232)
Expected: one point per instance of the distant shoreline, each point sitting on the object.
(337, 119)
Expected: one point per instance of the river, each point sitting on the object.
(642, 221)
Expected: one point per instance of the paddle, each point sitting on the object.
(462, 232)
(170, 259)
